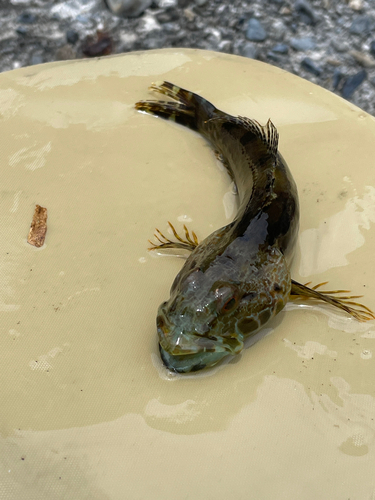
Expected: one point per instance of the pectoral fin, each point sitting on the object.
(345, 303)
(190, 242)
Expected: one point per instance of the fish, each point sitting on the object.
(238, 278)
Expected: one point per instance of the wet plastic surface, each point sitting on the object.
(88, 411)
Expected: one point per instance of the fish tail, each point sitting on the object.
(355, 309)
(188, 109)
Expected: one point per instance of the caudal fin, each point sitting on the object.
(187, 108)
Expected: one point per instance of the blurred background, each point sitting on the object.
(329, 42)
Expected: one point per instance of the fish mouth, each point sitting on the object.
(184, 351)
(186, 363)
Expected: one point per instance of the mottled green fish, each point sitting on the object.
(238, 278)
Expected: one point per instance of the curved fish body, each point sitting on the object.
(238, 278)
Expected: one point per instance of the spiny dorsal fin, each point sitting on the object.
(267, 133)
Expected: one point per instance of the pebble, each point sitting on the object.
(309, 65)
(302, 44)
(340, 46)
(280, 48)
(189, 14)
(164, 4)
(71, 9)
(332, 61)
(352, 83)
(361, 25)
(336, 79)
(278, 30)
(285, 11)
(364, 60)
(356, 4)
(128, 8)
(65, 53)
(225, 46)
(306, 12)
(250, 50)
(36, 59)
(274, 57)
(27, 18)
(255, 31)
(72, 37)
(21, 30)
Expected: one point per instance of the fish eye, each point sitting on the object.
(229, 305)
(227, 298)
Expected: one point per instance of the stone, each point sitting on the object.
(255, 31)
(21, 30)
(364, 60)
(309, 65)
(36, 59)
(336, 79)
(352, 83)
(280, 48)
(250, 50)
(65, 53)
(302, 44)
(27, 18)
(274, 57)
(356, 4)
(225, 46)
(361, 25)
(278, 30)
(128, 8)
(306, 12)
(72, 37)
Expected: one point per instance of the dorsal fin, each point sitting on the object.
(267, 133)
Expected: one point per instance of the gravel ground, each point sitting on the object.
(329, 42)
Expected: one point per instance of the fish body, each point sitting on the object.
(238, 278)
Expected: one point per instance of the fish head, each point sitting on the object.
(211, 311)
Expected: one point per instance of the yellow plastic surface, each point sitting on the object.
(87, 410)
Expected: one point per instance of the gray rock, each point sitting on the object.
(309, 65)
(306, 12)
(225, 46)
(337, 77)
(278, 30)
(255, 31)
(274, 57)
(27, 18)
(352, 83)
(71, 9)
(361, 25)
(128, 8)
(36, 59)
(280, 48)
(372, 47)
(250, 50)
(340, 45)
(305, 43)
(21, 30)
(72, 37)
(65, 53)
